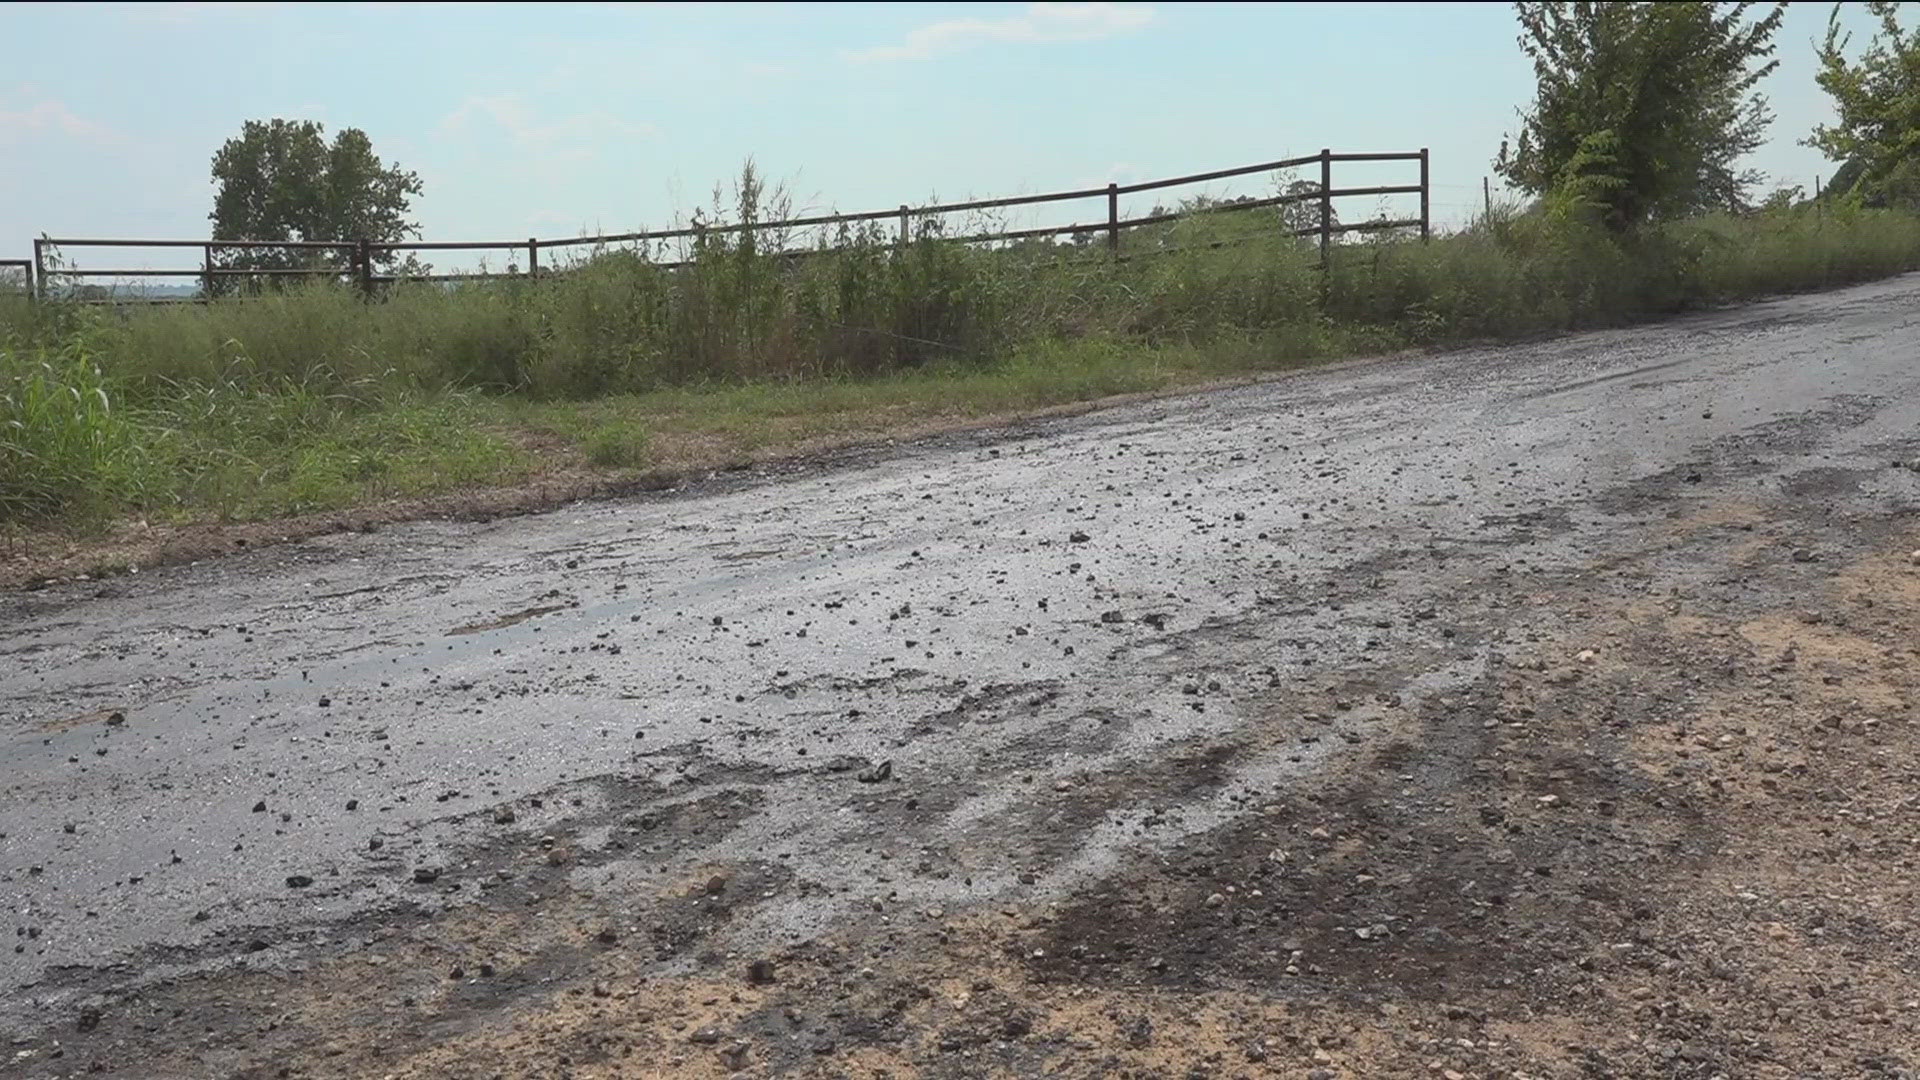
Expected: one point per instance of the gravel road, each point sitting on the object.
(1538, 711)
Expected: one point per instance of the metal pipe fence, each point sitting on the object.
(354, 260)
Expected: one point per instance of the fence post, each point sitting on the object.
(533, 257)
(1426, 222)
(1486, 198)
(206, 279)
(37, 284)
(1113, 219)
(905, 234)
(1326, 207)
(363, 254)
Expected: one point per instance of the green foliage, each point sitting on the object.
(64, 445)
(1877, 133)
(313, 398)
(282, 180)
(616, 448)
(1805, 247)
(285, 449)
(1643, 109)
(1307, 213)
(1193, 289)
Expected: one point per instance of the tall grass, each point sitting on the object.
(62, 439)
(314, 396)
(620, 322)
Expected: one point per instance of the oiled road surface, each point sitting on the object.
(1542, 711)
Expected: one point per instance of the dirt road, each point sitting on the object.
(1535, 712)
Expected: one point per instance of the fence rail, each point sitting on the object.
(360, 255)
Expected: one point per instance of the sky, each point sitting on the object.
(561, 120)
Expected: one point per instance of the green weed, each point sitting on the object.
(313, 398)
(66, 445)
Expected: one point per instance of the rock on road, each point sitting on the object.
(930, 686)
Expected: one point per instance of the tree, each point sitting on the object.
(1877, 134)
(1643, 110)
(1304, 213)
(281, 180)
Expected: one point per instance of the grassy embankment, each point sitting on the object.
(315, 400)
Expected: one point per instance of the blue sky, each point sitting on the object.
(554, 120)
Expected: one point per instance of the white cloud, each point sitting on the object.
(24, 113)
(1040, 24)
(577, 135)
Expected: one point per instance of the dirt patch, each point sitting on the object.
(109, 716)
(504, 621)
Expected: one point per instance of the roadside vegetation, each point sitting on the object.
(313, 398)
